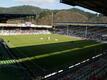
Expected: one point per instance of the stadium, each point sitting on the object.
(60, 51)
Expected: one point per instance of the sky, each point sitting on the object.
(46, 4)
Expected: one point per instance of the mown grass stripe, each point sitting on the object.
(45, 55)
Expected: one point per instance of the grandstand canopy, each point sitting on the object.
(81, 24)
(96, 5)
(9, 16)
(12, 16)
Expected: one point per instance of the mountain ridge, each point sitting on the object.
(44, 16)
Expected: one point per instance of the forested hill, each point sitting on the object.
(44, 16)
(21, 10)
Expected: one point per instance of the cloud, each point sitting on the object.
(37, 1)
(46, 4)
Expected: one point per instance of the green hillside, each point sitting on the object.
(44, 16)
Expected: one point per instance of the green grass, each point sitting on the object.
(27, 40)
(52, 54)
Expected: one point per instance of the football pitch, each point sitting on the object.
(51, 52)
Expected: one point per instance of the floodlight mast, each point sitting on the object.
(52, 22)
(67, 30)
(37, 15)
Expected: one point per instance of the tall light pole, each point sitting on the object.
(86, 31)
(52, 21)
